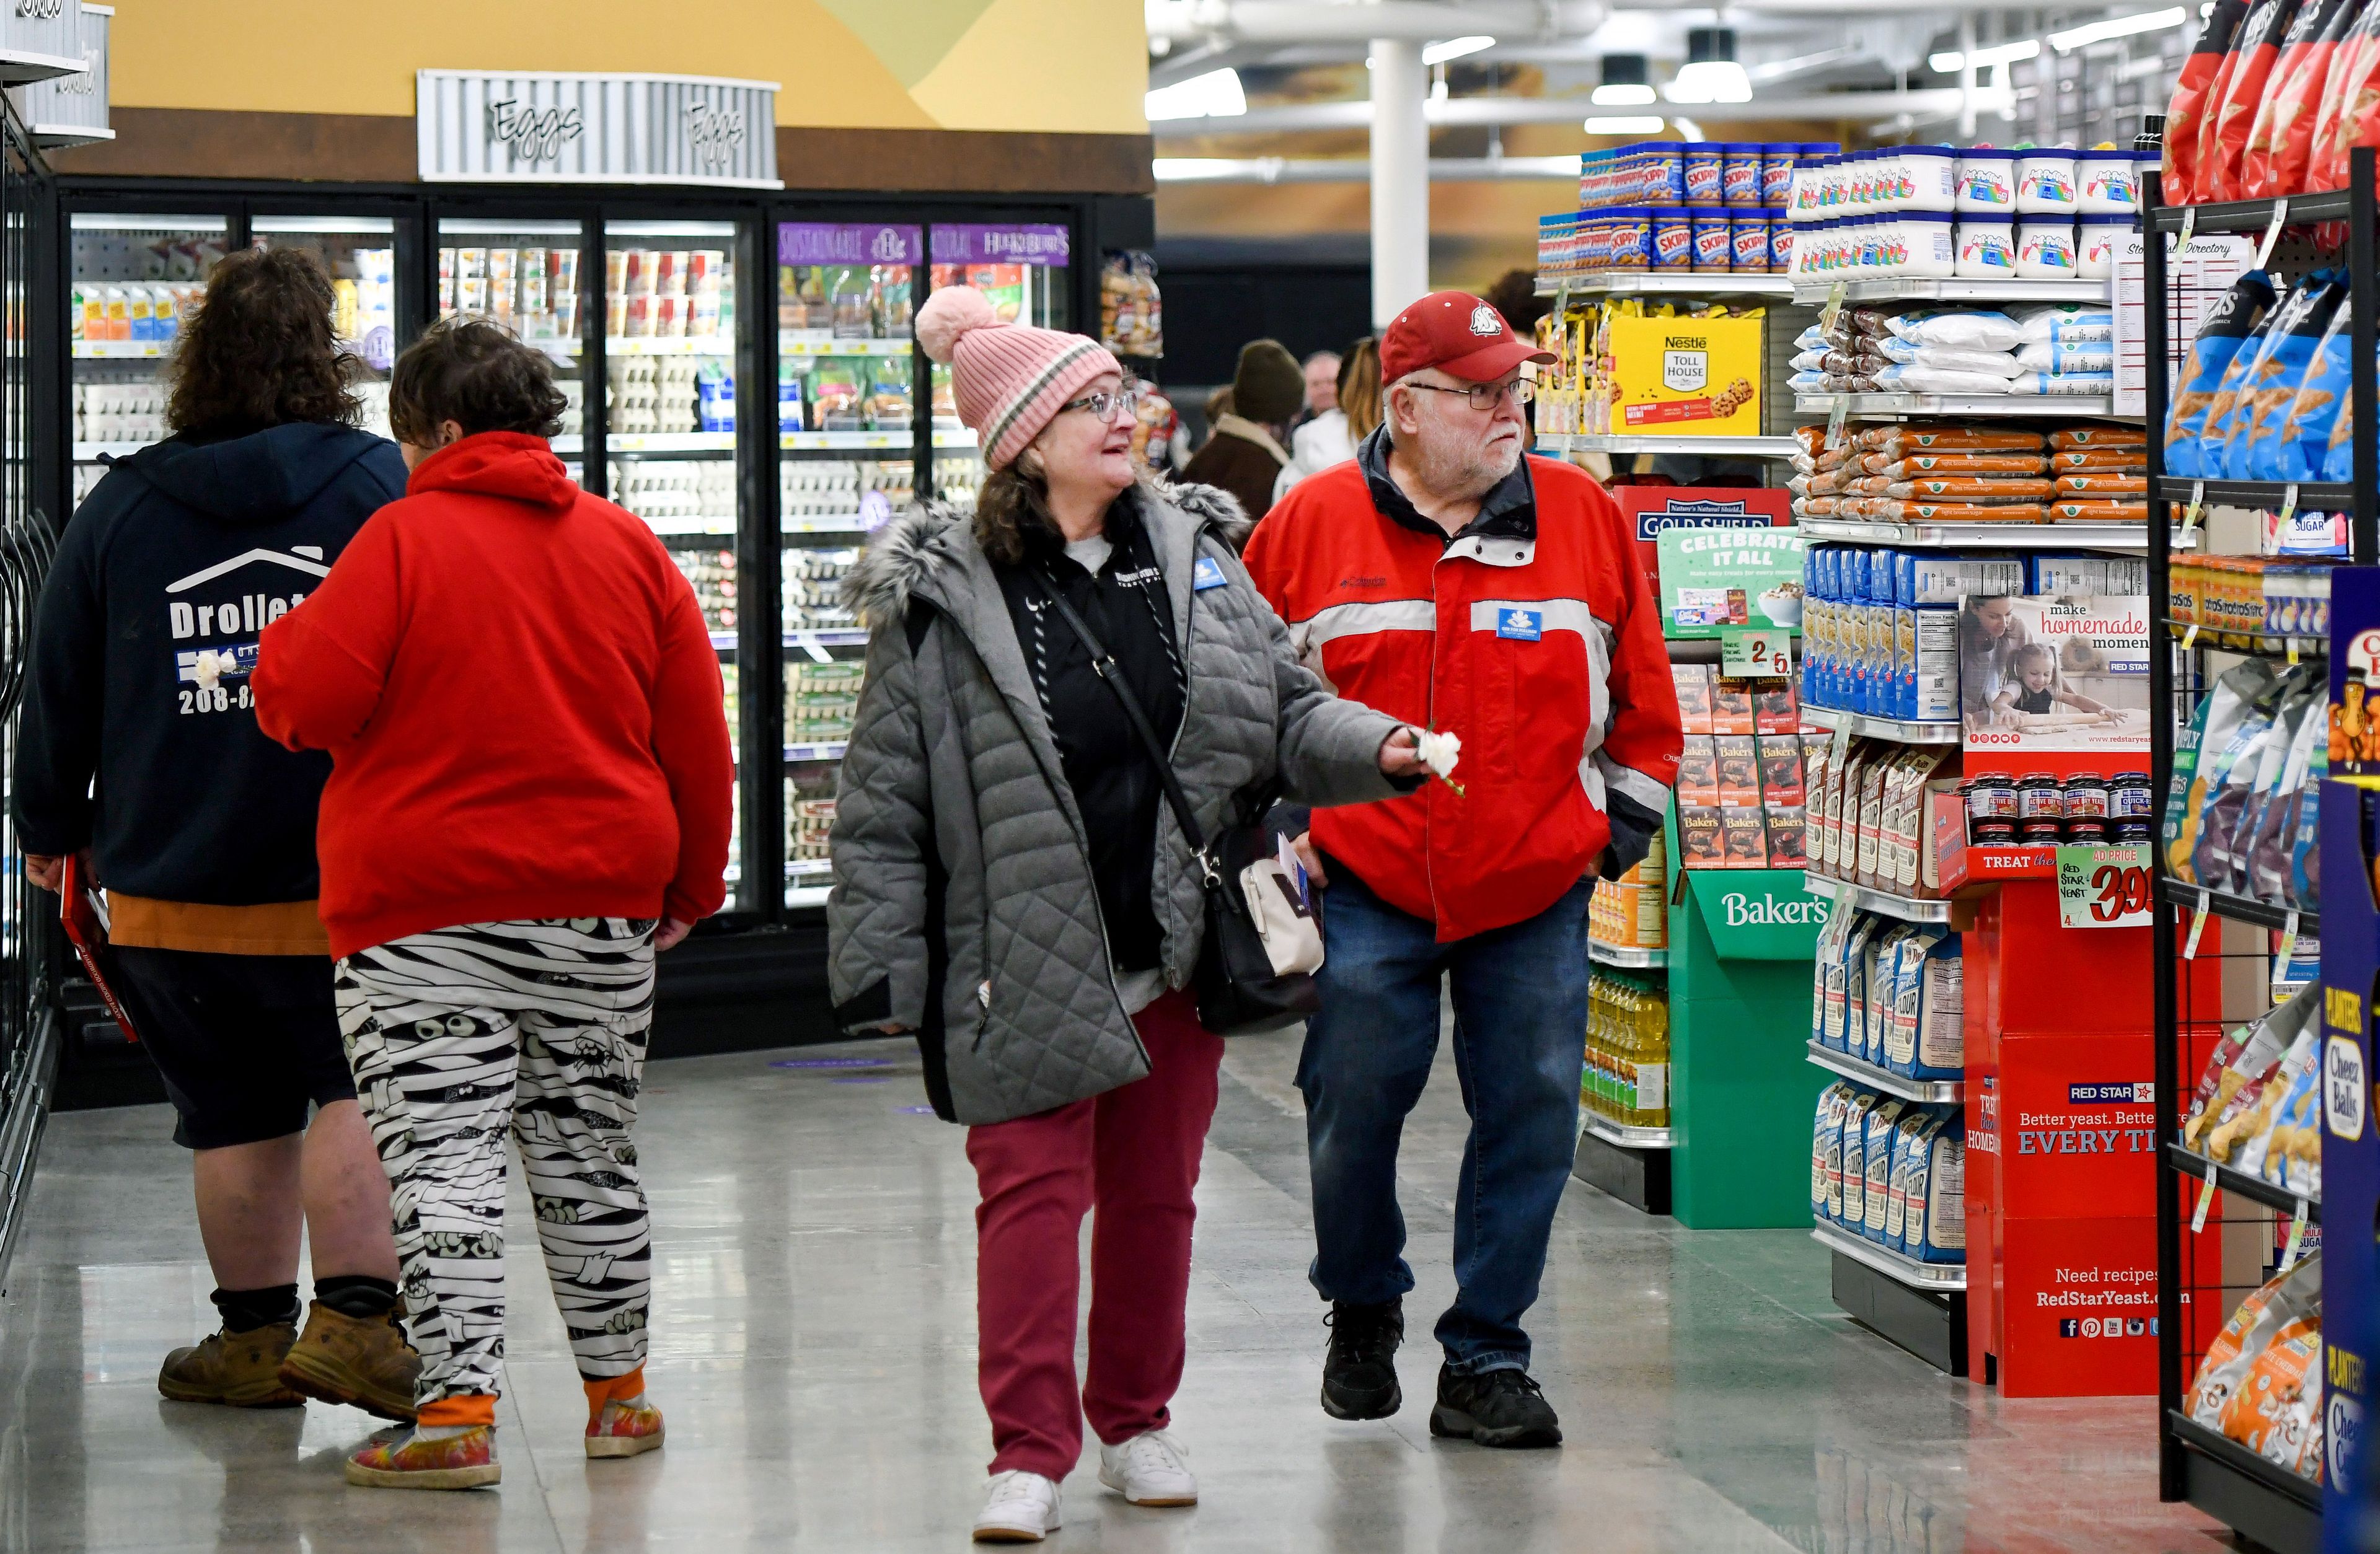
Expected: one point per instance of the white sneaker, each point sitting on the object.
(1018, 1507)
(1151, 1468)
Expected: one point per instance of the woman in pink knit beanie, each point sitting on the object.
(1010, 887)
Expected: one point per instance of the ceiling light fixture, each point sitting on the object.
(1625, 124)
(1455, 48)
(1216, 94)
(1627, 82)
(1997, 53)
(2118, 27)
(1710, 73)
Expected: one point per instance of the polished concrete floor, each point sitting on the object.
(814, 1349)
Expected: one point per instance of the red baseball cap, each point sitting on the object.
(1457, 333)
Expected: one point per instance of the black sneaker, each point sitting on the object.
(1359, 1376)
(1494, 1408)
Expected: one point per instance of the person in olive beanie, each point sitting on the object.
(1245, 455)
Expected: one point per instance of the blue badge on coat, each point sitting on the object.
(1520, 626)
(1207, 575)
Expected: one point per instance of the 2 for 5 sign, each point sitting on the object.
(2103, 887)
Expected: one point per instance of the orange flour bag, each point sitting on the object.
(2222, 133)
(2276, 158)
(2186, 115)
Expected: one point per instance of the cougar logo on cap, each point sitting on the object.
(1484, 322)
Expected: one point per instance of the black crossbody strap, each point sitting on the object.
(1104, 664)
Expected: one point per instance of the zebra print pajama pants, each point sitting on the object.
(537, 1028)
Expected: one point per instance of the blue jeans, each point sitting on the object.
(1520, 1033)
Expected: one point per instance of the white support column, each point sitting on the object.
(1399, 178)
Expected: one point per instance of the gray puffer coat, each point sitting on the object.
(963, 906)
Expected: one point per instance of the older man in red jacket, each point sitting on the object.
(1445, 578)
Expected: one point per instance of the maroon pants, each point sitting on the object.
(1132, 1153)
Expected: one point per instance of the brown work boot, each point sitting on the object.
(241, 1370)
(363, 1361)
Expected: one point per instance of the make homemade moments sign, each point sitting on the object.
(570, 128)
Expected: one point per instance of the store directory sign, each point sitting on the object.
(573, 127)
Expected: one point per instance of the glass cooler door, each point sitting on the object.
(523, 273)
(360, 254)
(131, 279)
(846, 436)
(1022, 267)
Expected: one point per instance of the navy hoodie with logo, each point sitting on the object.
(139, 737)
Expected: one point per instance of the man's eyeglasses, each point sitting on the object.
(1105, 403)
(1482, 396)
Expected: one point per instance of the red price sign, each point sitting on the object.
(2103, 887)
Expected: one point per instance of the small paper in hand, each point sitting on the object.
(1439, 751)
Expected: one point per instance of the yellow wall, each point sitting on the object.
(1078, 65)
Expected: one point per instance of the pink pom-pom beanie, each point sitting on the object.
(1010, 380)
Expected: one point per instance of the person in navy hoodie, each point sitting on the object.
(140, 753)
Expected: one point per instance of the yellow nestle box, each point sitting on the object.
(1685, 377)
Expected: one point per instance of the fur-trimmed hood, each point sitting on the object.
(931, 537)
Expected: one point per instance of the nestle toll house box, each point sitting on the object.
(1686, 377)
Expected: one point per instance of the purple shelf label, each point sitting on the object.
(1016, 243)
(809, 242)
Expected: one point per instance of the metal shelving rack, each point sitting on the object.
(2269, 1504)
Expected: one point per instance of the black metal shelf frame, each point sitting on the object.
(2237, 909)
(2195, 1465)
(2194, 1167)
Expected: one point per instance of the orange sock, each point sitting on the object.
(611, 1389)
(461, 1408)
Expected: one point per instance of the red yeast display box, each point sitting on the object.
(2073, 1118)
(2078, 1308)
(1651, 509)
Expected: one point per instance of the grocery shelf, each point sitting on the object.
(2312, 496)
(1926, 1092)
(814, 442)
(720, 535)
(808, 895)
(1625, 957)
(2269, 1193)
(1948, 288)
(811, 348)
(812, 523)
(1865, 898)
(2082, 404)
(632, 442)
(102, 350)
(652, 344)
(2267, 1502)
(2252, 215)
(809, 868)
(826, 751)
(946, 437)
(1669, 283)
(1899, 730)
(1940, 1279)
(92, 453)
(1633, 443)
(2239, 909)
(806, 641)
(1961, 536)
(1624, 1135)
(2266, 644)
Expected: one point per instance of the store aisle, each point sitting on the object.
(814, 1349)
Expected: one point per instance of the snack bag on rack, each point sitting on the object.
(2291, 1298)
(2213, 723)
(2229, 779)
(2220, 339)
(2278, 1413)
(2222, 414)
(2339, 456)
(2296, 452)
(2222, 133)
(2305, 847)
(2285, 119)
(2193, 93)
(2271, 385)
(2250, 790)
(2344, 93)
(2288, 1154)
(2259, 1122)
(2266, 875)
(2250, 1107)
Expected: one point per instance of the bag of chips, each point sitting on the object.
(2193, 92)
(2274, 161)
(2218, 717)
(2223, 415)
(2223, 132)
(2229, 324)
(2292, 1297)
(2296, 451)
(2346, 87)
(2261, 410)
(2230, 777)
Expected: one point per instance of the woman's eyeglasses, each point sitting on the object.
(1105, 403)
(1482, 396)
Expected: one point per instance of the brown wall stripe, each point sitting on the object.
(377, 148)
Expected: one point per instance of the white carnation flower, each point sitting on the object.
(1439, 751)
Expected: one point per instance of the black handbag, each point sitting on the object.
(1238, 991)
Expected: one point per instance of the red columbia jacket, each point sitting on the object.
(521, 702)
(1530, 635)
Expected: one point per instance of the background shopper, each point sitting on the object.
(1244, 455)
(1010, 886)
(1444, 575)
(1330, 437)
(1321, 370)
(140, 745)
(532, 767)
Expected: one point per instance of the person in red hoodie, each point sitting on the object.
(529, 796)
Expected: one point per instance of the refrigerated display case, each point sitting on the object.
(654, 308)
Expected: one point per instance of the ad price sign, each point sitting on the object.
(2103, 887)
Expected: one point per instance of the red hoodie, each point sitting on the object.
(521, 702)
